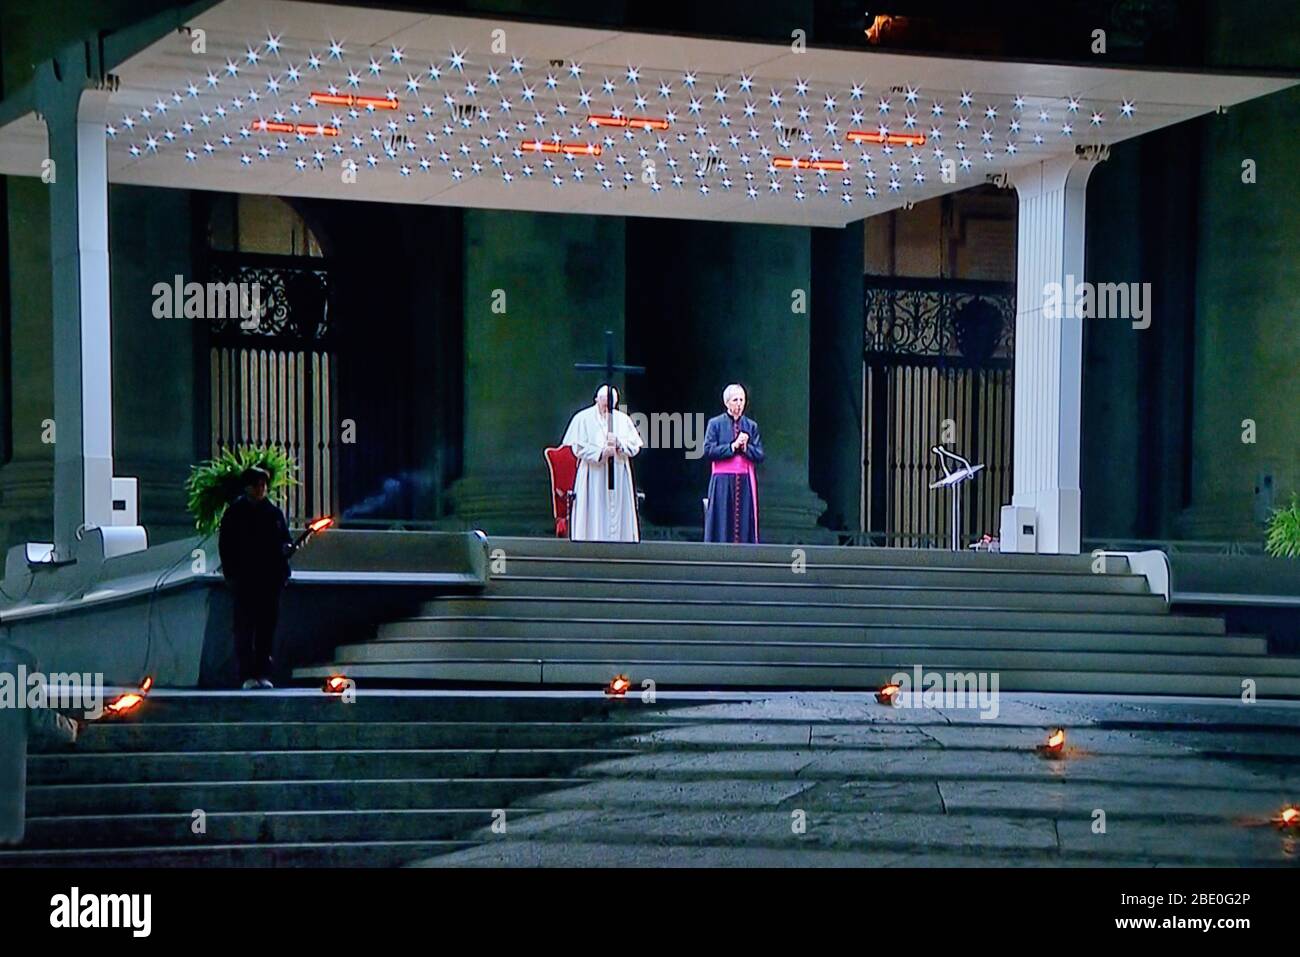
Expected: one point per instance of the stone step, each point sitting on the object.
(1150, 614)
(1133, 801)
(1272, 780)
(798, 675)
(336, 794)
(711, 625)
(578, 853)
(660, 551)
(1010, 578)
(985, 757)
(696, 647)
(316, 854)
(1279, 745)
(103, 737)
(768, 598)
(256, 827)
(882, 652)
(686, 731)
(784, 574)
(833, 827)
(1112, 591)
(309, 704)
(90, 768)
(900, 832)
(997, 798)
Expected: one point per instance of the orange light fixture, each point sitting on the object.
(882, 137)
(641, 123)
(618, 685)
(888, 694)
(794, 162)
(569, 149)
(348, 99)
(335, 684)
(307, 129)
(126, 703)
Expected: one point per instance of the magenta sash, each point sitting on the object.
(740, 465)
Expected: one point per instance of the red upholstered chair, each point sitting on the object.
(563, 466)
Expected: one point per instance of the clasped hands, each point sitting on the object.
(611, 446)
(741, 443)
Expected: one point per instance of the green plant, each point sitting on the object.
(1284, 530)
(214, 484)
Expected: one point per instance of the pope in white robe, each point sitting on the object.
(601, 515)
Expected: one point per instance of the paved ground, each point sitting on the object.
(830, 779)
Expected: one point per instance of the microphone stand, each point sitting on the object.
(952, 479)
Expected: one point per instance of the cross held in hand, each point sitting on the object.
(609, 367)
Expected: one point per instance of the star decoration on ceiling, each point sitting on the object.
(292, 108)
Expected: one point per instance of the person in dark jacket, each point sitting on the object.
(255, 547)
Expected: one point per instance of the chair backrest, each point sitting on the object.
(563, 467)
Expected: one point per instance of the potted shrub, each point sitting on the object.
(1283, 529)
(214, 484)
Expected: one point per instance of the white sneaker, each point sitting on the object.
(251, 684)
(264, 683)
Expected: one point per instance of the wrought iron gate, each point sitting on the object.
(275, 383)
(937, 371)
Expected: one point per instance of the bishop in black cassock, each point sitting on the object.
(733, 447)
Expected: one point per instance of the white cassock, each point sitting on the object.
(600, 515)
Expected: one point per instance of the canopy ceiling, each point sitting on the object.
(466, 112)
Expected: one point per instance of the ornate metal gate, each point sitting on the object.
(273, 382)
(937, 371)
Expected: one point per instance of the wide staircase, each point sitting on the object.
(690, 615)
(574, 778)
(298, 777)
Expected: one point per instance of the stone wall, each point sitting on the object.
(1247, 289)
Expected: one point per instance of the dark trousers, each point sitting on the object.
(257, 609)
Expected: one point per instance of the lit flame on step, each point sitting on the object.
(1054, 746)
(336, 684)
(1290, 816)
(888, 694)
(618, 685)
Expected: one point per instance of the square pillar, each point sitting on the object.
(83, 381)
(1049, 358)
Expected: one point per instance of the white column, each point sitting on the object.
(1049, 353)
(83, 384)
(96, 339)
